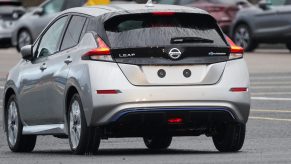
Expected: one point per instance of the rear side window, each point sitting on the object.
(158, 29)
(73, 32)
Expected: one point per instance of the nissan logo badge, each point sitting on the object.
(175, 53)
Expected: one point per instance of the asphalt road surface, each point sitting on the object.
(268, 138)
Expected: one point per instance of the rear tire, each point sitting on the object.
(24, 38)
(242, 37)
(16, 141)
(157, 142)
(83, 139)
(288, 45)
(230, 138)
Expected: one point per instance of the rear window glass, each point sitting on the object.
(150, 30)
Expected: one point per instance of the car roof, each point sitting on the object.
(132, 8)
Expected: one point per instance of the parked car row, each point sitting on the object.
(248, 25)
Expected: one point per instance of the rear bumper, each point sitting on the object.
(157, 121)
(104, 108)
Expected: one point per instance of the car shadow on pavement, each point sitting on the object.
(128, 152)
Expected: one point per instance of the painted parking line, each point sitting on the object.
(271, 93)
(271, 78)
(271, 99)
(269, 111)
(270, 119)
(271, 87)
(271, 83)
(1, 87)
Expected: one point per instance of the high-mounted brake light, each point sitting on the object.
(101, 53)
(236, 52)
(175, 120)
(159, 13)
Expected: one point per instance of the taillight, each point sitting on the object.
(236, 52)
(100, 53)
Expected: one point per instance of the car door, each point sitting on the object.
(30, 99)
(49, 11)
(58, 66)
(266, 22)
(284, 14)
(35, 76)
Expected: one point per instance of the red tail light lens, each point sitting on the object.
(236, 52)
(163, 13)
(101, 53)
(175, 120)
(107, 92)
(239, 89)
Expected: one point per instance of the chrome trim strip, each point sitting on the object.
(44, 129)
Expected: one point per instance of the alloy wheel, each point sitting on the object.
(75, 124)
(242, 37)
(24, 39)
(12, 123)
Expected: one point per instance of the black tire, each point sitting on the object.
(288, 45)
(158, 142)
(243, 36)
(89, 139)
(23, 42)
(230, 138)
(23, 143)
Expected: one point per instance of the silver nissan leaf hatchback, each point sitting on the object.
(154, 72)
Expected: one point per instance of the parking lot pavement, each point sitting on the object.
(268, 131)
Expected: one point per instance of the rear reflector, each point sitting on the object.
(239, 89)
(107, 92)
(175, 120)
(163, 13)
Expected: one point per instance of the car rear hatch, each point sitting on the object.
(168, 48)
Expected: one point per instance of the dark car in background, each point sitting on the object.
(224, 11)
(268, 22)
(10, 11)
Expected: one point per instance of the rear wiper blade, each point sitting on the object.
(178, 40)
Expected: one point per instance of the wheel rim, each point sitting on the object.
(242, 37)
(12, 123)
(24, 39)
(75, 124)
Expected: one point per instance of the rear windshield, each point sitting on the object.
(158, 29)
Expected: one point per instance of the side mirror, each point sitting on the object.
(265, 4)
(26, 52)
(38, 11)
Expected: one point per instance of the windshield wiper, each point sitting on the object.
(178, 40)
